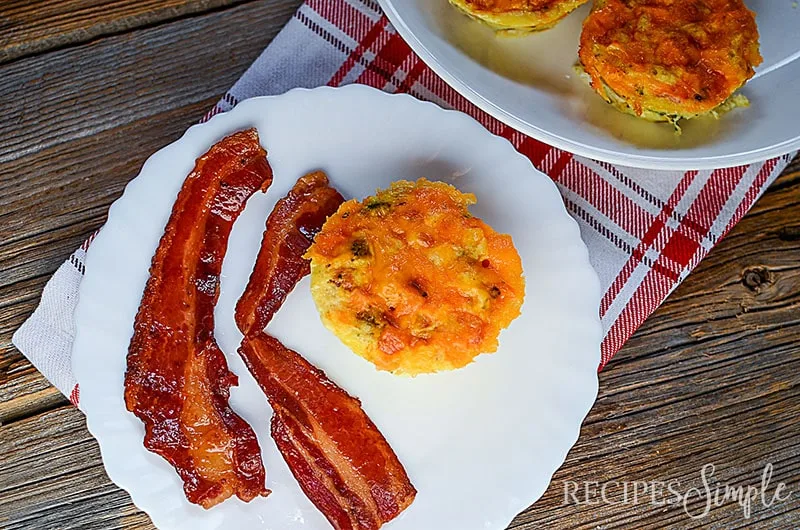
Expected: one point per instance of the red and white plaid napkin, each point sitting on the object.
(646, 230)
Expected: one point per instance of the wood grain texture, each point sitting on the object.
(56, 182)
(29, 27)
(28, 262)
(711, 377)
(123, 78)
(53, 478)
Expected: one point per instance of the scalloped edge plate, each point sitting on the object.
(528, 83)
(480, 443)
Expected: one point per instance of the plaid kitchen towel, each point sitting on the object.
(645, 230)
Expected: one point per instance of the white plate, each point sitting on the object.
(528, 83)
(481, 443)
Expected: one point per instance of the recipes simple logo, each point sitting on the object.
(696, 501)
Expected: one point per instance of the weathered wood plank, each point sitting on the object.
(77, 182)
(678, 453)
(122, 78)
(28, 262)
(73, 172)
(29, 27)
(53, 477)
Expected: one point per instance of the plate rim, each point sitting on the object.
(82, 370)
(604, 155)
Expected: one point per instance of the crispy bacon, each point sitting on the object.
(177, 381)
(338, 456)
(291, 228)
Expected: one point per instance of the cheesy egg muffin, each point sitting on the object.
(518, 15)
(412, 282)
(667, 60)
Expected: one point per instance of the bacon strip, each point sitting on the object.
(177, 381)
(291, 228)
(338, 456)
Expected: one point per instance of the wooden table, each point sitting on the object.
(90, 88)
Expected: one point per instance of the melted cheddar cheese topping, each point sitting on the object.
(667, 59)
(410, 281)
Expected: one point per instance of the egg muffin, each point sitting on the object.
(412, 282)
(667, 60)
(518, 15)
